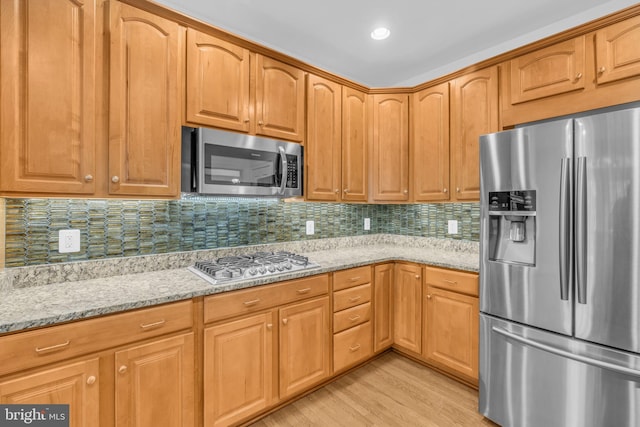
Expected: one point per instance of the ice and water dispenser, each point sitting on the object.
(512, 227)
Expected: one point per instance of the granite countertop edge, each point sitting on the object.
(33, 307)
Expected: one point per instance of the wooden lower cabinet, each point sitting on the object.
(73, 383)
(154, 384)
(383, 307)
(239, 374)
(305, 343)
(407, 307)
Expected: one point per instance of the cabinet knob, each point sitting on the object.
(115, 179)
(346, 190)
(122, 369)
(260, 123)
(91, 380)
(417, 276)
(444, 191)
(601, 70)
(269, 326)
(405, 191)
(246, 120)
(428, 296)
(285, 321)
(337, 191)
(578, 76)
(88, 178)
(458, 189)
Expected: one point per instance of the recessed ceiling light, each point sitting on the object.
(380, 33)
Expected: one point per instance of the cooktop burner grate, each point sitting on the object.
(259, 264)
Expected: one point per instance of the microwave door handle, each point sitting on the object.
(283, 178)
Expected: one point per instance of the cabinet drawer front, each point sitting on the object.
(352, 277)
(351, 317)
(352, 346)
(351, 297)
(237, 303)
(456, 281)
(34, 348)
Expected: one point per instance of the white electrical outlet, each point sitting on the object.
(367, 223)
(68, 241)
(452, 226)
(311, 227)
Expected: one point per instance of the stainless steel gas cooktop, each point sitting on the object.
(250, 266)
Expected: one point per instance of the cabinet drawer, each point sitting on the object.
(352, 277)
(28, 349)
(351, 297)
(232, 304)
(352, 346)
(351, 317)
(457, 281)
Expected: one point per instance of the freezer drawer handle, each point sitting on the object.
(553, 350)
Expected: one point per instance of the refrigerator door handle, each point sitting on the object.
(563, 353)
(581, 230)
(565, 228)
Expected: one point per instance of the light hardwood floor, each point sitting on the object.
(389, 391)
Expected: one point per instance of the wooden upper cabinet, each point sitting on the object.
(47, 96)
(474, 112)
(322, 150)
(217, 86)
(279, 99)
(354, 145)
(550, 71)
(390, 133)
(144, 103)
(430, 143)
(618, 51)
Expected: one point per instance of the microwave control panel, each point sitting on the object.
(292, 174)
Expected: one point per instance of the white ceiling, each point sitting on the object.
(428, 38)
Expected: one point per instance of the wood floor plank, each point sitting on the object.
(387, 392)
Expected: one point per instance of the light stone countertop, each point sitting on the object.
(34, 306)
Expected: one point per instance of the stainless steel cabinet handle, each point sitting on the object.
(581, 231)
(115, 179)
(553, 350)
(152, 325)
(53, 347)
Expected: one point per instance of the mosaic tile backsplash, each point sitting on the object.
(117, 228)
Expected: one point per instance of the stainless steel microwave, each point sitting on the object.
(233, 164)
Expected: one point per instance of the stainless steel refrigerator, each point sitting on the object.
(560, 272)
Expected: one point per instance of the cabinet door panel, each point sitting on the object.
(354, 145)
(618, 51)
(305, 344)
(383, 307)
(217, 82)
(556, 69)
(75, 384)
(451, 331)
(47, 93)
(238, 369)
(474, 112)
(279, 99)
(144, 113)
(407, 307)
(430, 143)
(390, 147)
(322, 149)
(155, 384)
